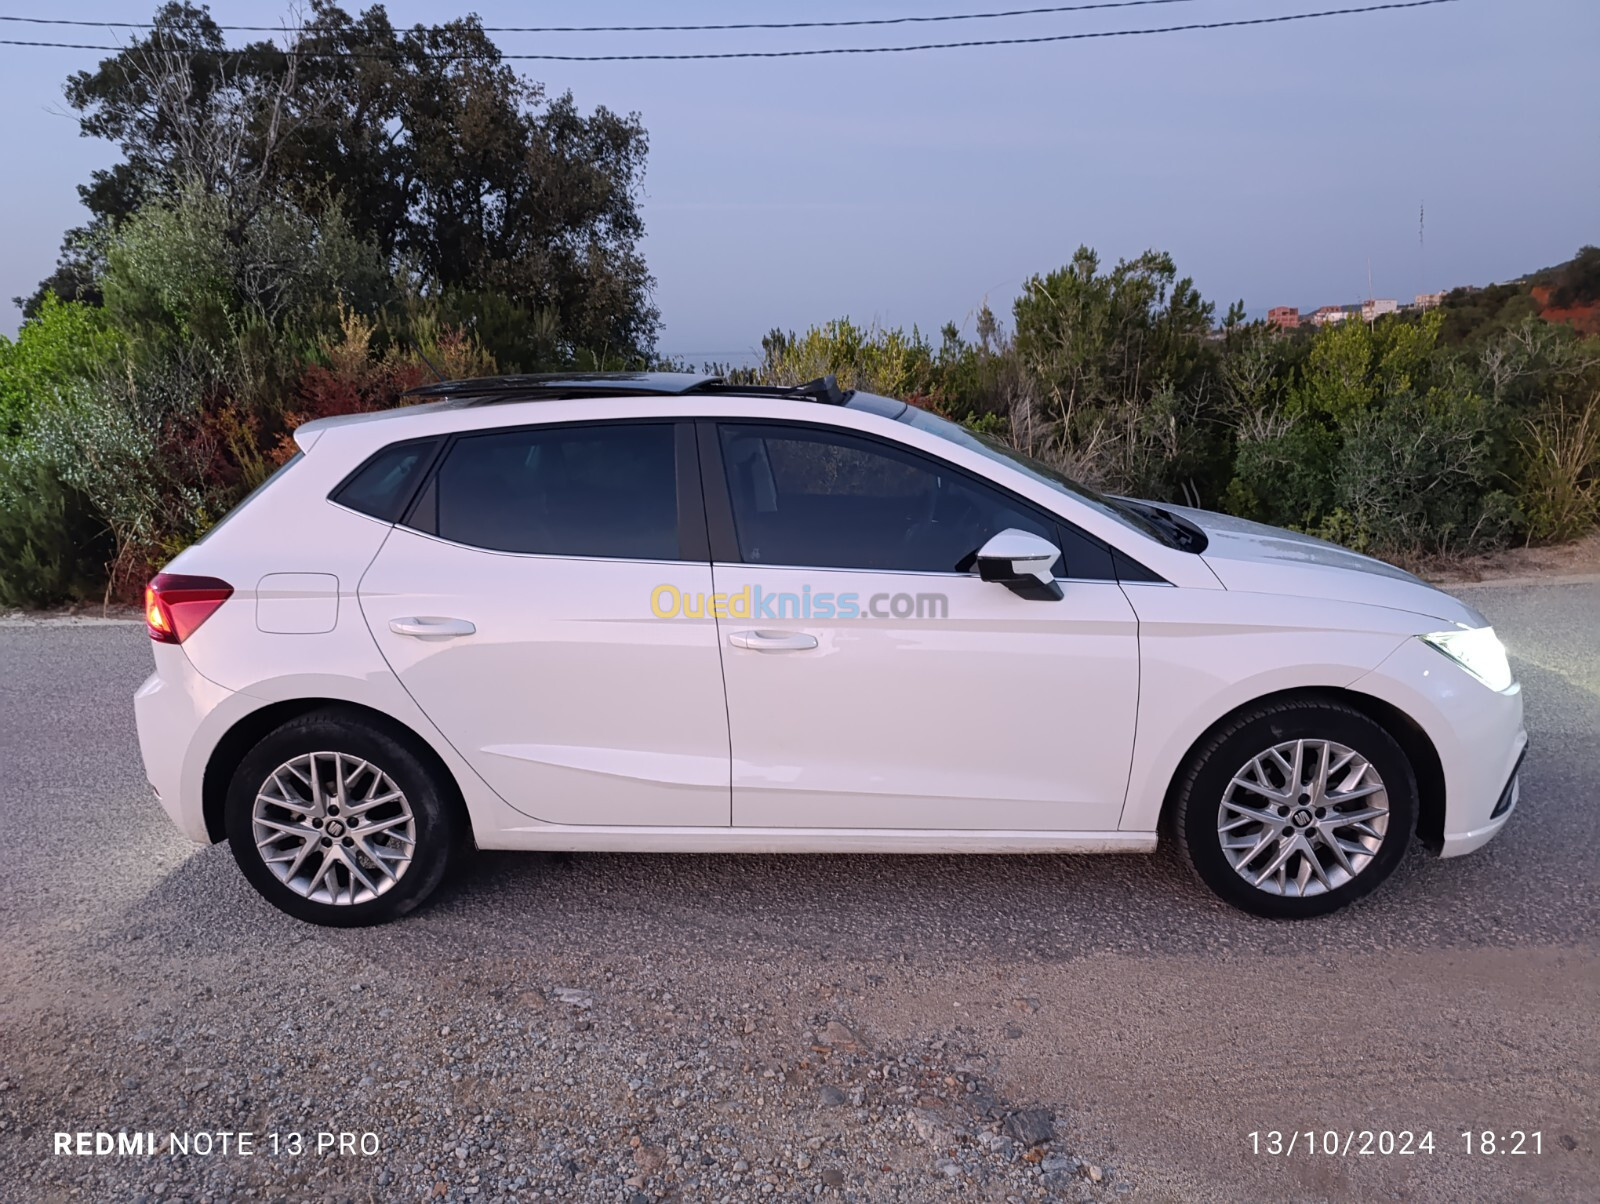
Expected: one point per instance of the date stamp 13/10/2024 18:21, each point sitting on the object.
(1367, 1143)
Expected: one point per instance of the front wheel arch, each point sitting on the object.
(1404, 730)
(249, 731)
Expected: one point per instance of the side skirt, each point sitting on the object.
(575, 839)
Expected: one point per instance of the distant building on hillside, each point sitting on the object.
(1289, 317)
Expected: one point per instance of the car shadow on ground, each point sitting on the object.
(1003, 909)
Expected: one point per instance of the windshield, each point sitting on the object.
(984, 445)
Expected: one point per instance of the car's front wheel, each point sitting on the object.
(1296, 808)
(337, 821)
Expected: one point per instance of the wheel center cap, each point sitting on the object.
(336, 827)
(1302, 818)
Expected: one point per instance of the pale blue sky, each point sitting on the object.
(1274, 163)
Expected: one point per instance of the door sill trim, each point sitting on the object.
(577, 839)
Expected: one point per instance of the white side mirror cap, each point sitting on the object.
(1013, 554)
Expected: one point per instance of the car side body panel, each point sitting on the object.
(293, 531)
(178, 738)
(569, 697)
(1204, 654)
(988, 711)
(1477, 732)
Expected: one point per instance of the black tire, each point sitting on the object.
(438, 821)
(1204, 780)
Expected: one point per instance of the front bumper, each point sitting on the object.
(1466, 842)
(1477, 732)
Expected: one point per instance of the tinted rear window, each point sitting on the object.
(603, 490)
(384, 484)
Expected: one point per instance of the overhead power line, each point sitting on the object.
(828, 50)
(854, 22)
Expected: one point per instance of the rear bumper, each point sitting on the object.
(1477, 732)
(170, 708)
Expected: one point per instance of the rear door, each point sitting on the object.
(514, 603)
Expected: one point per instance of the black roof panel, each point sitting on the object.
(544, 385)
(551, 386)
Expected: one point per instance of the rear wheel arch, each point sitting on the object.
(1405, 731)
(249, 731)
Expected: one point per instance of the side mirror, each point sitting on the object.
(1021, 561)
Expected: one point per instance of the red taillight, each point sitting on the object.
(175, 605)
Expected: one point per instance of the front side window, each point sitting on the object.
(603, 490)
(828, 499)
(986, 445)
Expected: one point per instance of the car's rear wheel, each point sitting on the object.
(1296, 808)
(337, 821)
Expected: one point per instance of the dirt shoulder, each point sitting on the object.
(1579, 558)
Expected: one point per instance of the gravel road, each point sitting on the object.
(655, 1028)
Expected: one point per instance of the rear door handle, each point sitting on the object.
(772, 641)
(431, 628)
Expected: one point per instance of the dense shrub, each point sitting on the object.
(873, 358)
(137, 424)
(1559, 482)
(1284, 474)
(64, 343)
(1415, 475)
(186, 275)
(53, 548)
(150, 487)
(148, 417)
(1118, 378)
(1389, 437)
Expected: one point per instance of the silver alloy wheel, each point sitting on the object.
(333, 828)
(1303, 817)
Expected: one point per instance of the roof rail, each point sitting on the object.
(550, 385)
(486, 390)
(824, 388)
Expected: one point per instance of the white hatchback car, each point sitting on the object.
(661, 613)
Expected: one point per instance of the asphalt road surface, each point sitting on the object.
(653, 1028)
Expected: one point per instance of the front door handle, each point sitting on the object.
(431, 628)
(772, 641)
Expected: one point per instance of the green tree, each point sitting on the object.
(465, 177)
(176, 275)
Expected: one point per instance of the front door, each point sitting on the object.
(874, 681)
(515, 606)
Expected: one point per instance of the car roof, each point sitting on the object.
(550, 386)
(540, 385)
(478, 392)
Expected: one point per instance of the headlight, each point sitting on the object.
(1477, 650)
